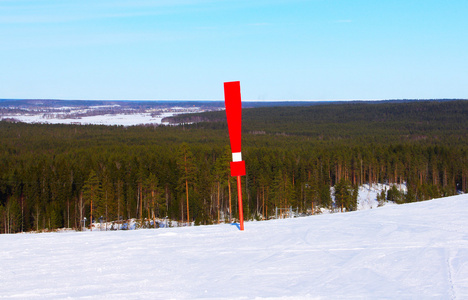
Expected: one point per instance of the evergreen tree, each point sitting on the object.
(186, 169)
(381, 198)
(153, 194)
(393, 194)
(92, 194)
(345, 195)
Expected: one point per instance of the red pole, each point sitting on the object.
(233, 104)
(241, 208)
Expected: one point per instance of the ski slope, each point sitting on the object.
(411, 251)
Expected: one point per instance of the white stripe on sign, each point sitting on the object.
(237, 156)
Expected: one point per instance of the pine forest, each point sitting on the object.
(53, 176)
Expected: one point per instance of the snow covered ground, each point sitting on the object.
(124, 114)
(110, 119)
(411, 251)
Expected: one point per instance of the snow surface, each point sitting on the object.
(411, 251)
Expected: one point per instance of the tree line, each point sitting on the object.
(52, 176)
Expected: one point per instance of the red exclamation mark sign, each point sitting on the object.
(233, 103)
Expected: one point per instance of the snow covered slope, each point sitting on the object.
(412, 251)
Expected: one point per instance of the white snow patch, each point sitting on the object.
(367, 195)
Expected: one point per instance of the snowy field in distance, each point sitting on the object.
(124, 113)
(411, 251)
(110, 119)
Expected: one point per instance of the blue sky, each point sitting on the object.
(279, 50)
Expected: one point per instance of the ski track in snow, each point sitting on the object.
(411, 251)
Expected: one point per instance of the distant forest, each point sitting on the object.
(52, 176)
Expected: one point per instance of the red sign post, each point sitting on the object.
(232, 101)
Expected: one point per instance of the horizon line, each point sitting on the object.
(221, 100)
